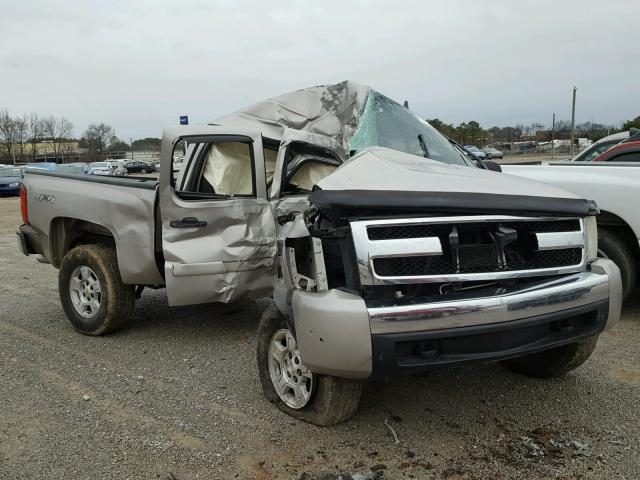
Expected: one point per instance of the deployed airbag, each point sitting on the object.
(228, 168)
(310, 173)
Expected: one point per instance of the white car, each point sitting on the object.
(108, 167)
(101, 168)
(118, 167)
(614, 187)
(177, 163)
(491, 152)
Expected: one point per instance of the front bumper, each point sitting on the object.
(416, 351)
(338, 335)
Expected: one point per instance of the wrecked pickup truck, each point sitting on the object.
(386, 250)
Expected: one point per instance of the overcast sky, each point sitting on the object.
(137, 65)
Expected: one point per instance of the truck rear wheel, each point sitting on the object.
(614, 247)
(556, 361)
(318, 399)
(91, 290)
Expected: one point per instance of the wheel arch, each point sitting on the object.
(66, 233)
(612, 222)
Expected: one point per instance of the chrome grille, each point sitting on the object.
(477, 259)
(466, 248)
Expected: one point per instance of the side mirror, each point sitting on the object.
(491, 165)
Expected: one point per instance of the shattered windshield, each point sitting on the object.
(385, 123)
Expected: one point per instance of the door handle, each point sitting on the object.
(188, 222)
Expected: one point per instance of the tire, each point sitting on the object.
(144, 170)
(109, 302)
(555, 362)
(613, 247)
(332, 400)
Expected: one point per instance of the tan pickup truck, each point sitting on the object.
(385, 248)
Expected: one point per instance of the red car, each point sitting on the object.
(622, 152)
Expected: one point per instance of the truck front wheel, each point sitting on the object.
(91, 290)
(556, 361)
(305, 395)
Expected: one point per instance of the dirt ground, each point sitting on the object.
(176, 396)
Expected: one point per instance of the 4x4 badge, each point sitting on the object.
(42, 197)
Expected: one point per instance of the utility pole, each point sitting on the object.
(553, 135)
(573, 120)
(131, 143)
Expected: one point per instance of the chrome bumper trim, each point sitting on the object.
(601, 283)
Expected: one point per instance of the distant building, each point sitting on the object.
(45, 147)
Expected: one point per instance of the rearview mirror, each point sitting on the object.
(491, 165)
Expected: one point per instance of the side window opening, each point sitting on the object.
(306, 165)
(227, 169)
(216, 169)
(310, 171)
(596, 150)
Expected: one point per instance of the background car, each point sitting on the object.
(118, 167)
(475, 152)
(604, 144)
(41, 165)
(491, 152)
(10, 180)
(177, 163)
(77, 167)
(622, 152)
(101, 168)
(139, 167)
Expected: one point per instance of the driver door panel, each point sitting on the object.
(218, 247)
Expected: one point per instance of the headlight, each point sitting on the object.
(592, 238)
(14, 185)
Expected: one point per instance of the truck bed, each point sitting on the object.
(62, 206)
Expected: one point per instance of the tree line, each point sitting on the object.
(472, 133)
(22, 138)
(21, 135)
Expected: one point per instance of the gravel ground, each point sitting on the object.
(176, 396)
